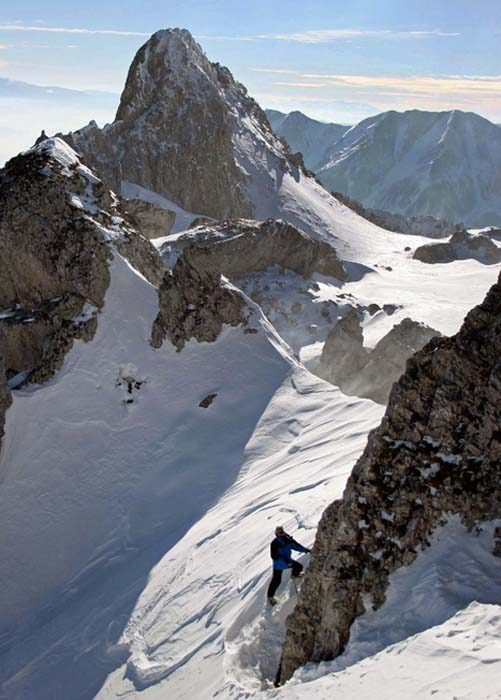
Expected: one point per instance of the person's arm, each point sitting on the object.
(274, 550)
(299, 547)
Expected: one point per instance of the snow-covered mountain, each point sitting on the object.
(309, 136)
(212, 137)
(160, 422)
(445, 164)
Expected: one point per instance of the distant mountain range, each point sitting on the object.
(20, 90)
(443, 164)
(313, 138)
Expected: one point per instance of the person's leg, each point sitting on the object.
(274, 583)
(296, 569)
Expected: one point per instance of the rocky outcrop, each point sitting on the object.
(370, 373)
(436, 453)
(343, 355)
(462, 246)
(235, 248)
(426, 226)
(58, 227)
(194, 303)
(152, 220)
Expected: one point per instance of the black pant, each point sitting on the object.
(276, 579)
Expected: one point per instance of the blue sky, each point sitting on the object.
(338, 61)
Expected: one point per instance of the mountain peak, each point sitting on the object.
(187, 130)
(169, 60)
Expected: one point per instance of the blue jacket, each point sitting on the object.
(281, 549)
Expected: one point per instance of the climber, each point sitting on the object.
(280, 550)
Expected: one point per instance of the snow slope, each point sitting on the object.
(183, 217)
(96, 489)
(184, 633)
(457, 660)
(102, 489)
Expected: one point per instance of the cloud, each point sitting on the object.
(67, 30)
(309, 36)
(292, 83)
(323, 36)
(463, 85)
(284, 71)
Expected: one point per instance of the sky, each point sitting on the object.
(336, 61)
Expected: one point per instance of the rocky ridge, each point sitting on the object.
(412, 225)
(436, 453)
(370, 373)
(236, 248)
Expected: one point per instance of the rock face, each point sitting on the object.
(235, 248)
(149, 218)
(461, 247)
(413, 225)
(194, 303)
(58, 226)
(370, 373)
(436, 453)
(175, 127)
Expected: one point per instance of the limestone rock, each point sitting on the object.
(437, 450)
(462, 245)
(152, 220)
(193, 303)
(235, 248)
